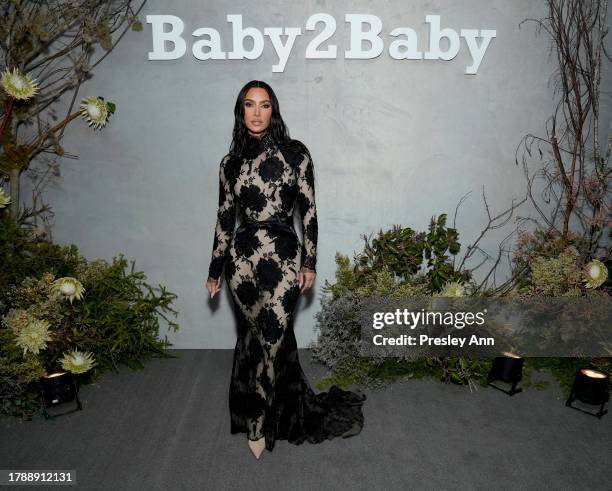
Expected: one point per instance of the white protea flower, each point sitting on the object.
(18, 85)
(68, 287)
(4, 198)
(94, 111)
(34, 336)
(18, 319)
(452, 289)
(77, 361)
(595, 273)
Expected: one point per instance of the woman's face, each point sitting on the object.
(257, 111)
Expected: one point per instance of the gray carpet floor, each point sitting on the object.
(167, 428)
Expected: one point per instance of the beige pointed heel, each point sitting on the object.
(257, 446)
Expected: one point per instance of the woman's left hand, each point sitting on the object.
(306, 279)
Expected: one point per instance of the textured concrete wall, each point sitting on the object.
(393, 141)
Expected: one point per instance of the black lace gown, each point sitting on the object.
(269, 394)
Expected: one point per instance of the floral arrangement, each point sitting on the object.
(61, 311)
(549, 269)
(32, 331)
(58, 309)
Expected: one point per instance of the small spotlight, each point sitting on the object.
(509, 369)
(591, 386)
(59, 388)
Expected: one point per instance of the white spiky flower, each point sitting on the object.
(18, 85)
(452, 289)
(595, 273)
(4, 198)
(17, 319)
(94, 111)
(77, 362)
(34, 336)
(68, 287)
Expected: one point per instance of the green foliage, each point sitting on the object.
(399, 249)
(383, 282)
(397, 258)
(117, 319)
(555, 275)
(553, 270)
(391, 265)
(465, 371)
(347, 278)
(563, 369)
(351, 372)
(18, 377)
(24, 254)
(533, 248)
(439, 241)
(373, 374)
(339, 330)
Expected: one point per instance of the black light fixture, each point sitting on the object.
(59, 388)
(591, 386)
(509, 369)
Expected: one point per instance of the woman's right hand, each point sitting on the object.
(213, 286)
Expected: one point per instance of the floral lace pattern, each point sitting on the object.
(269, 394)
(270, 180)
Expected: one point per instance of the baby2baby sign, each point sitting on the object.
(362, 27)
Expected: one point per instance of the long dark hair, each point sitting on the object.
(240, 135)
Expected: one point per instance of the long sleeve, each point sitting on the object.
(308, 211)
(226, 219)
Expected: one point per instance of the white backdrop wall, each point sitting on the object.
(393, 141)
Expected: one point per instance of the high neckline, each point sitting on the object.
(258, 145)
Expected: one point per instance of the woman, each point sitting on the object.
(267, 268)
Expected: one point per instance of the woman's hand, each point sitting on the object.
(306, 279)
(213, 286)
